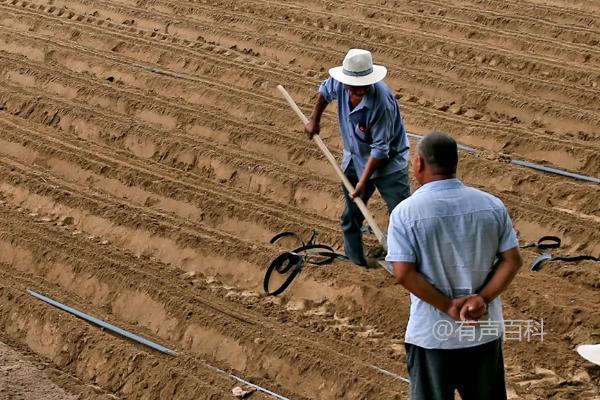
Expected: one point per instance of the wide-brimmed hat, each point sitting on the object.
(358, 69)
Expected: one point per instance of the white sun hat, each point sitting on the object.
(358, 69)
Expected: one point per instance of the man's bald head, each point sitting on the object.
(440, 152)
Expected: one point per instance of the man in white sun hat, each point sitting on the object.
(375, 142)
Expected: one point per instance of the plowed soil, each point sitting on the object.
(146, 159)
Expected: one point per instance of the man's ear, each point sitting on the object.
(419, 163)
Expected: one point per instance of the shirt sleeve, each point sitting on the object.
(381, 128)
(401, 246)
(329, 89)
(508, 236)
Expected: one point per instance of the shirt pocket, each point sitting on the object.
(362, 133)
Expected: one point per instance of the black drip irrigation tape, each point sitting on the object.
(528, 164)
(568, 174)
(140, 339)
(103, 324)
(165, 350)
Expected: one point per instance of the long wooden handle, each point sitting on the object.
(361, 204)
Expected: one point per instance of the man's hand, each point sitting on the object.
(473, 309)
(456, 305)
(359, 190)
(312, 128)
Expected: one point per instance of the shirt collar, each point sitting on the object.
(443, 184)
(366, 102)
(368, 99)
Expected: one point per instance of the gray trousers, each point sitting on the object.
(393, 188)
(477, 373)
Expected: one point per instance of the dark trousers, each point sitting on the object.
(393, 188)
(476, 372)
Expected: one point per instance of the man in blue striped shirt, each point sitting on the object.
(454, 249)
(375, 142)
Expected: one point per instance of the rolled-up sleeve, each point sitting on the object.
(401, 245)
(329, 89)
(380, 131)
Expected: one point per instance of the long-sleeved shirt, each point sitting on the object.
(373, 128)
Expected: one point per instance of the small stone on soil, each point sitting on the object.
(242, 393)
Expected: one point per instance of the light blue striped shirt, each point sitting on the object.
(453, 233)
(373, 128)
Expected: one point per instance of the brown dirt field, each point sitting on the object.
(146, 159)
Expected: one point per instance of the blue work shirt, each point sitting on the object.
(373, 128)
(452, 233)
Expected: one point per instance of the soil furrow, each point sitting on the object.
(536, 127)
(469, 26)
(558, 154)
(173, 314)
(331, 27)
(546, 11)
(146, 159)
(222, 167)
(522, 104)
(111, 363)
(334, 195)
(145, 233)
(535, 220)
(23, 368)
(152, 188)
(501, 21)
